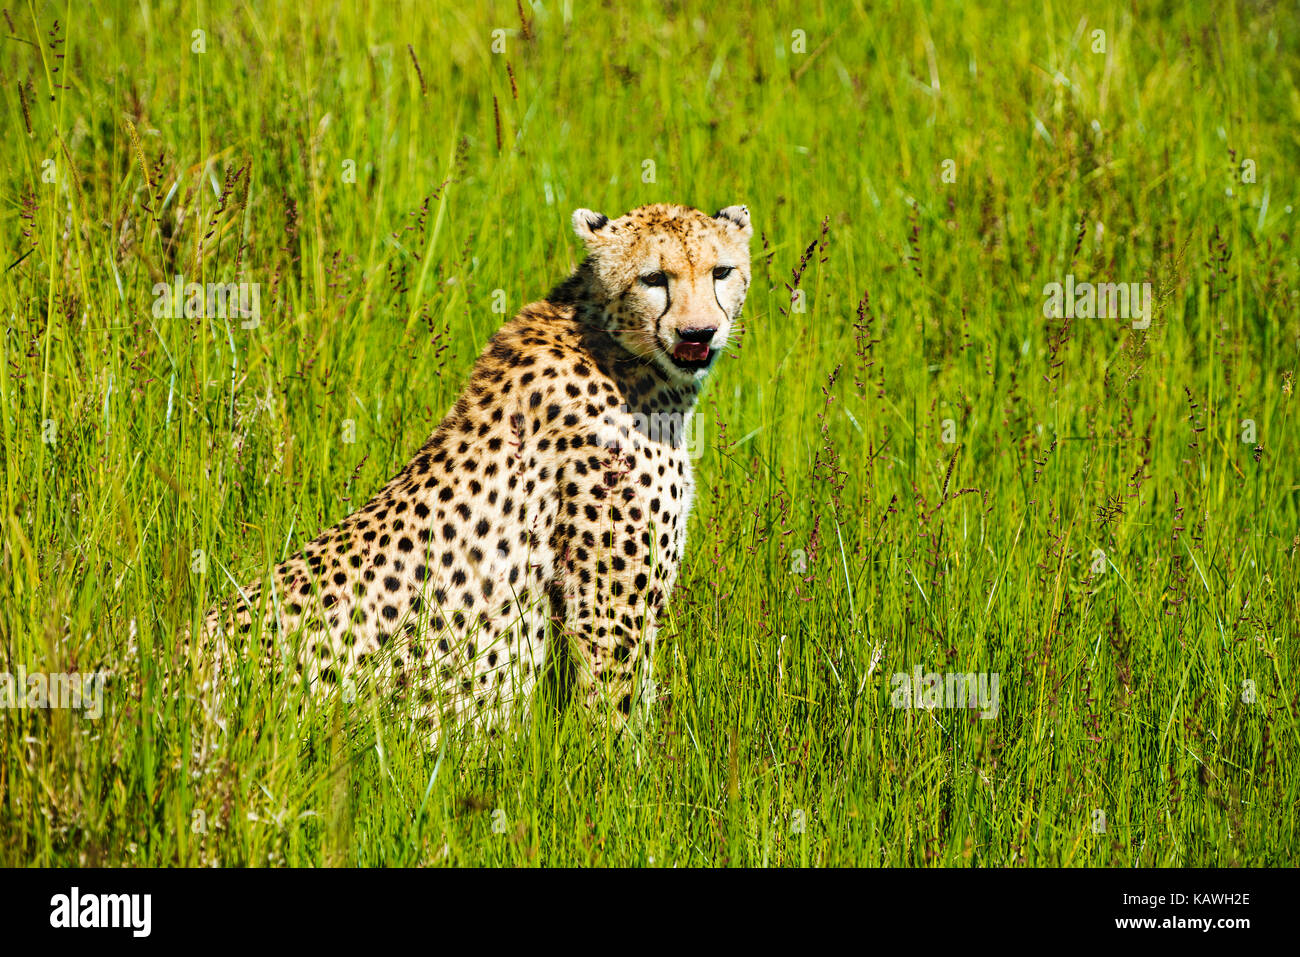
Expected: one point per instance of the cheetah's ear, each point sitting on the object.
(737, 216)
(589, 225)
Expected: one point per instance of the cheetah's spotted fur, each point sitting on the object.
(551, 503)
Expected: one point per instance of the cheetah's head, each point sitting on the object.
(673, 280)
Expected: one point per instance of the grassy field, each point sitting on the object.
(905, 463)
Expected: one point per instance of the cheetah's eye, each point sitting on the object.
(654, 279)
(722, 272)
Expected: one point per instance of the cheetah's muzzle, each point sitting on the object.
(693, 356)
(693, 351)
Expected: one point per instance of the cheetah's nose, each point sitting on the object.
(694, 344)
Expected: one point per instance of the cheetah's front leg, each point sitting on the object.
(611, 600)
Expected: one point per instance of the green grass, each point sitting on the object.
(837, 537)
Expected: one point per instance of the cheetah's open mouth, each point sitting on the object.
(692, 355)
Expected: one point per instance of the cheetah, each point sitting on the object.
(544, 517)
